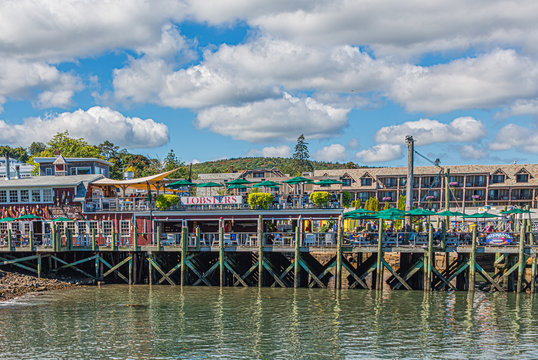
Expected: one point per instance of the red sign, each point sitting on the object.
(211, 200)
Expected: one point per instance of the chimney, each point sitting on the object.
(57, 153)
(231, 168)
(17, 171)
(8, 175)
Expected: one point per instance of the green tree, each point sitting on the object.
(18, 153)
(108, 150)
(36, 147)
(301, 156)
(70, 147)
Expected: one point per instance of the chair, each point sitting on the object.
(310, 239)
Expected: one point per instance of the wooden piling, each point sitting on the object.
(131, 270)
(260, 251)
(31, 240)
(94, 242)
(68, 240)
(472, 261)
(221, 254)
(197, 238)
(39, 266)
(159, 238)
(429, 263)
(339, 240)
(521, 259)
(184, 243)
(150, 276)
(135, 237)
(379, 263)
(296, 267)
(9, 240)
(533, 266)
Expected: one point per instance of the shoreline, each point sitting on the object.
(15, 284)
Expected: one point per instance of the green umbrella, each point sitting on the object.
(267, 183)
(516, 211)
(392, 212)
(361, 216)
(238, 182)
(387, 216)
(209, 185)
(329, 182)
(298, 180)
(28, 217)
(237, 186)
(61, 219)
(450, 213)
(6, 219)
(484, 215)
(180, 183)
(358, 212)
(420, 212)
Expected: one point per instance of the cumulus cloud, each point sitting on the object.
(426, 131)
(274, 120)
(487, 81)
(471, 152)
(516, 136)
(333, 152)
(380, 153)
(271, 151)
(95, 125)
(520, 107)
(353, 144)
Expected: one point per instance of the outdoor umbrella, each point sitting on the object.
(6, 219)
(61, 219)
(450, 213)
(267, 183)
(298, 180)
(237, 186)
(208, 185)
(391, 212)
(420, 212)
(238, 182)
(484, 215)
(357, 212)
(387, 216)
(28, 217)
(328, 182)
(516, 211)
(180, 183)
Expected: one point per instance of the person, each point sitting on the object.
(305, 200)
(289, 200)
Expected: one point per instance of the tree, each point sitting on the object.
(18, 153)
(36, 147)
(301, 156)
(108, 150)
(70, 147)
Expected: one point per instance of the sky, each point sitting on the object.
(215, 79)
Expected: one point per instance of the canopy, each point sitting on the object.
(179, 183)
(267, 183)
(237, 186)
(361, 216)
(450, 213)
(209, 185)
(358, 212)
(387, 216)
(6, 219)
(298, 180)
(391, 212)
(28, 217)
(238, 182)
(138, 183)
(420, 212)
(516, 211)
(61, 219)
(328, 182)
(484, 215)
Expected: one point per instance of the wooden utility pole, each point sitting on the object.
(409, 184)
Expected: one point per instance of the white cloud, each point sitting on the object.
(95, 125)
(380, 153)
(272, 151)
(520, 107)
(333, 153)
(353, 144)
(516, 136)
(487, 81)
(472, 153)
(281, 119)
(426, 131)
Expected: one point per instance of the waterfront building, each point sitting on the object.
(16, 169)
(470, 185)
(60, 166)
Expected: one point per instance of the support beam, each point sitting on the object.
(379, 265)
(221, 253)
(396, 275)
(158, 268)
(184, 243)
(472, 261)
(260, 251)
(522, 259)
(114, 269)
(296, 268)
(339, 240)
(429, 260)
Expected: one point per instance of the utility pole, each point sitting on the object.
(410, 161)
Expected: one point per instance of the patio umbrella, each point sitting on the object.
(6, 219)
(28, 217)
(267, 183)
(180, 183)
(484, 215)
(61, 219)
(361, 216)
(387, 216)
(420, 212)
(208, 185)
(298, 180)
(391, 212)
(329, 182)
(516, 211)
(237, 186)
(450, 213)
(357, 212)
(238, 182)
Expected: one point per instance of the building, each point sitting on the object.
(470, 185)
(257, 175)
(16, 169)
(60, 166)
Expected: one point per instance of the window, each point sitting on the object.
(520, 178)
(3, 196)
(125, 227)
(81, 227)
(496, 179)
(13, 196)
(48, 172)
(36, 196)
(80, 170)
(92, 225)
(47, 195)
(257, 175)
(25, 196)
(70, 225)
(3, 228)
(346, 182)
(107, 227)
(366, 181)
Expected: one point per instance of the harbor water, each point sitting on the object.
(165, 322)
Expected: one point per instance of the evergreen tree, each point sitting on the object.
(301, 156)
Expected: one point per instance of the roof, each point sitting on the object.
(50, 181)
(138, 183)
(45, 160)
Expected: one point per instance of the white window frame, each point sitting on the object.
(108, 227)
(3, 196)
(125, 227)
(48, 171)
(45, 198)
(33, 193)
(11, 200)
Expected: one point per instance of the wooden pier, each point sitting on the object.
(297, 259)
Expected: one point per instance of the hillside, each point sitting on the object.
(249, 163)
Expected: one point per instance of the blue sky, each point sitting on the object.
(222, 79)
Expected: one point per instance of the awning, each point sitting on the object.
(154, 181)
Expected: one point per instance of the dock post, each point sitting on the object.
(68, 240)
(150, 276)
(131, 270)
(339, 240)
(429, 262)
(53, 238)
(533, 268)
(9, 240)
(296, 267)
(472, 261)
(221, 253)
(38, 266)
(97, 277)
(522, 262)
(135, 238)
(184, 240)
(197, 238)
(379, 264)
(159, 238)
(114, 241)
(260, 251)
(31, 239)
(94, 242)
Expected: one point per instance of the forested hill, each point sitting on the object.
(249, 163)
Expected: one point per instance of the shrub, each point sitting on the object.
(260, 200)
(319, 198)
(346, 198)
(165, 202)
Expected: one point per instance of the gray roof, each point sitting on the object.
(50, 181)
(41, 160)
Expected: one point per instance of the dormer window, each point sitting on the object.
(497, 179)
(346, 182)
(522, 178)
(366, 181)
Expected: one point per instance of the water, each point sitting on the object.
(165, 322)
